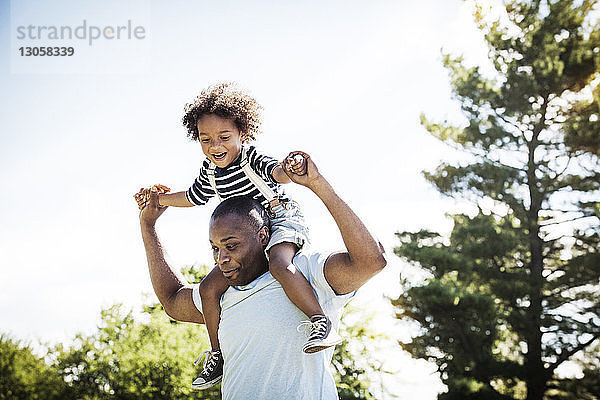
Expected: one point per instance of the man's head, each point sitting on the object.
(238, 234)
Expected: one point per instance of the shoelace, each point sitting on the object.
(210, 362)
(313, 329)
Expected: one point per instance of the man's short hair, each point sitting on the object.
(245, 207)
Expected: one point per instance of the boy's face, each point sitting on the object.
(220, 139)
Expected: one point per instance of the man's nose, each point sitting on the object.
(222, 257)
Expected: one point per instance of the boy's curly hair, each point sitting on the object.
(226, 100)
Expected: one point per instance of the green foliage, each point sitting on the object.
(512, 293)
(23, 375)
(355, 362)
(128, 359)
(584, 387)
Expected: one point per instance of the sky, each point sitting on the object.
(342, 80)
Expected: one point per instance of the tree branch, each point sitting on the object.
(564, 169)
(550, 330)
(542, 224)
(507, 121)
(567, 354)
(559, 210)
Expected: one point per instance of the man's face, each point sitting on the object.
(238, 248)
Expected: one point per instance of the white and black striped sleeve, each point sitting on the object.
(201, 190)
(262, 164)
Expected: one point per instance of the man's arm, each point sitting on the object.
(171, 288)
(346, 271)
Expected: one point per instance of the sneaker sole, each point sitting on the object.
(315, 347)
(207, 384)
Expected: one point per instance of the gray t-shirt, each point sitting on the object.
(261, 346)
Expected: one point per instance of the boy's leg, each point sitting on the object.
(211, 289)
(295, 285)
(299, 291)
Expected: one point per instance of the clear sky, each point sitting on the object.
(342, 80)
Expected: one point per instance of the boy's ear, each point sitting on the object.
(244, 138)
(263, 235)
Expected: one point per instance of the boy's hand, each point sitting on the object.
(143, 195)
(300, 168)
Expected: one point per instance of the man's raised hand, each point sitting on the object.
(300, 168)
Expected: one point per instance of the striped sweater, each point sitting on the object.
(232, 181)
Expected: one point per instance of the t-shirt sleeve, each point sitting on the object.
(201, 190)
(262, 164)
(312, 265)
(196, 297)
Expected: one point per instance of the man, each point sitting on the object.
(259, 342)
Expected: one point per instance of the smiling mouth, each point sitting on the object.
(219, 156)
(230, 273)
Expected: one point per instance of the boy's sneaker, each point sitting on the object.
(320, 334)
(212, 372)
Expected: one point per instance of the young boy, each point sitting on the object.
(224, 119)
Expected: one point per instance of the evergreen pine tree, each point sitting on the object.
(513, 292)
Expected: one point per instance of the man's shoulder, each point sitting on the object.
(312, 264)
(308, 259)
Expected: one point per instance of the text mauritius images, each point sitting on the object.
(90, 33)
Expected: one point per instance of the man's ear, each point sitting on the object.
(263, 235)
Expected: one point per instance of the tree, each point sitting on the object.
(131, 359)
(513, 292)
(25, 376)
(128, 359)
(357, 367)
